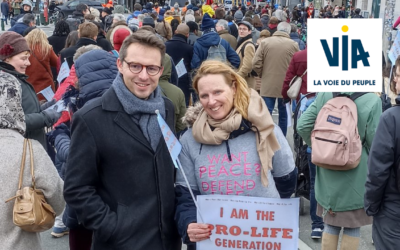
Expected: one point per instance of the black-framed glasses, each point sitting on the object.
(136, 68)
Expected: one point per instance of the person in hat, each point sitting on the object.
(163, 28)
(119, 9)
(13, 125)
(211, 38)
(246, 50)
(26, 9)
(197, 15)
(106, 18)
(14, 59)
(119, 37)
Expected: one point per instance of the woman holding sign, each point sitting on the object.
(233, 147)
(14, 60)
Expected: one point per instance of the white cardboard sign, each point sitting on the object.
(241, 222)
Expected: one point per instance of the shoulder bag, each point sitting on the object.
(31, 212)
(295, 85)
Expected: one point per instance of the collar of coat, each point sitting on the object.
(281, 33)
(222, 32)
(180, 38)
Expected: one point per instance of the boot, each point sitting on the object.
(329, 241)
(349, 242)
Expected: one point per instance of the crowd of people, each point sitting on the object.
(215, 76)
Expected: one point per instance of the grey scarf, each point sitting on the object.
(142, 111)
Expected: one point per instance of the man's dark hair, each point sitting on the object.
(28, 18)
(81, 8)
(248, 19)
(229, 18)
(357, 11)
(61, 29)
(144, 38)
(192, 26)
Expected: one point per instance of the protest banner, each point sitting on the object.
(241, 222)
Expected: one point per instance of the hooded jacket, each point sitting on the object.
(95, 71)
(205, 42)
(173, 93)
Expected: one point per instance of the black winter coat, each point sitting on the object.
(178, 48)
(69, 53)
(381, 193)
(104, 43)
(58, 42)
(119, 187)
(35, 120)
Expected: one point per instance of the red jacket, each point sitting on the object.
(297, 66)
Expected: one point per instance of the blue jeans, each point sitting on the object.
(317, 221)
(286, 184)
(270, 102)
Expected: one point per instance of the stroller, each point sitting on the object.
(301, 162)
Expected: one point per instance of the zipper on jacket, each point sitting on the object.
(331, 141)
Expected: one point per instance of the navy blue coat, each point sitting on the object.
(4, 9)
(295, 37)
(19, 28)
(205, 42)
(96, 71)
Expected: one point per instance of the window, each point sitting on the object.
(73, 4)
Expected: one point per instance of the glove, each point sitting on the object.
(60, 129)
(48, 104)
(286, 101)
(51, 116)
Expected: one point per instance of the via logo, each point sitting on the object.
(356, 45)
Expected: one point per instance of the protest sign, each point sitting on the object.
(180, 68)
(64, 72)
(395, 50)
(241, 222)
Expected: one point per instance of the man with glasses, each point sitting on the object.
(119, 174)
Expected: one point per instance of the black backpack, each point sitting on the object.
(74, 22)
(252, 73)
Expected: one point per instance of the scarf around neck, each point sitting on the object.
(262, 122)
(142, 111)
(243, 39)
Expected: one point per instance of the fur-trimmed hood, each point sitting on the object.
(191, 115)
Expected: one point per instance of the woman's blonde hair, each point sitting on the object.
(242, 96)
(37, 41)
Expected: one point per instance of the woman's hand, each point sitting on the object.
(198, 232)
